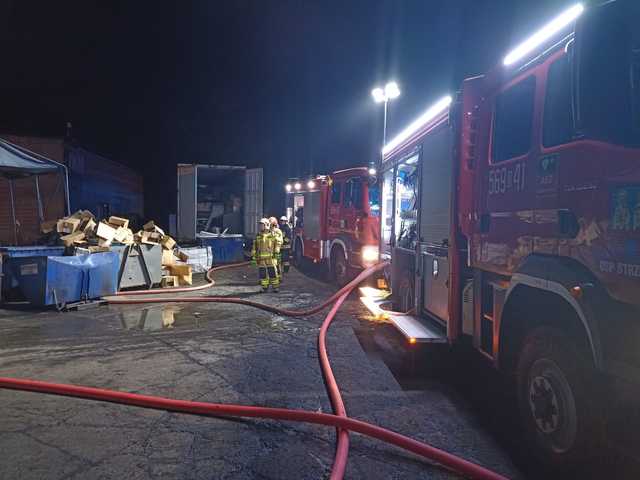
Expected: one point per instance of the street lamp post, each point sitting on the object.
(383, 95)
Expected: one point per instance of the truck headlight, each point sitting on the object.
(369, 254)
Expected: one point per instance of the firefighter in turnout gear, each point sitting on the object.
(264, 254)
(287, 234)
(277, 233)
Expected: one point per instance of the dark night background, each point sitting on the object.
(274, 83)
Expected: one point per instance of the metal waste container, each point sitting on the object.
(54, 280)
(140, 265)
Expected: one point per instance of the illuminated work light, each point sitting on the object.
(378, 95)
(544, 34)
(287, 187)
(311, 184)
(297, 186)
(419, 122)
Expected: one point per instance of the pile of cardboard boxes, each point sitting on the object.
(85, 234)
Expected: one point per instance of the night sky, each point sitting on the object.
(274, 83)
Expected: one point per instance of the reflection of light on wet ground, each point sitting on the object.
(155, 318)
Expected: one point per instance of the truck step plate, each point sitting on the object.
(415, 329)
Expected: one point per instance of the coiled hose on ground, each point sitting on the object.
(340, 421)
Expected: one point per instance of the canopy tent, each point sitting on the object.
(16, 163)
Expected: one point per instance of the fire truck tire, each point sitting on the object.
(339, 267)
(558, 399)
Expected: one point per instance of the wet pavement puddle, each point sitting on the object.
(159, 318)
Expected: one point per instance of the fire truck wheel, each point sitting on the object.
(557, 399)
(339, 267)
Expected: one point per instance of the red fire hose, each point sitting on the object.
(466, 468)
(340, 421)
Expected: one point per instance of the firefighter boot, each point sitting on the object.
(274, 279)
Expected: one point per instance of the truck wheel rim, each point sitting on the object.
(552, 406)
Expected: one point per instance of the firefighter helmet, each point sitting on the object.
(284, 218)
(264, 221)
(273, 221)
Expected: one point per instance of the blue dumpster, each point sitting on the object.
(226, 248)
(7, 254)
(54, 280)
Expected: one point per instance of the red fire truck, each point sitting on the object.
(336, 220)
(511, 216)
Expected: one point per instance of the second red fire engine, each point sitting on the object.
(336, 220)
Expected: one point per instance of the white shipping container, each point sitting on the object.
(225, 189)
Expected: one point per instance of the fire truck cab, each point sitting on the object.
(511, 217)
(336, 220)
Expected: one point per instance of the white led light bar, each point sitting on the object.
(545, 33)
(418, 123)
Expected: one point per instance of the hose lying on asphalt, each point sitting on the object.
(342, 447)
(159, 298)
(340, 421)
(457, 464)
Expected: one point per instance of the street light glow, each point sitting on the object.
(544, 34)
(297, 186)
(378, 95)
(391, 90)
(287, 187)
(419, 122)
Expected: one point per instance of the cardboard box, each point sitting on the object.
(182, 256)
(89, 227)
(106, 232)
(48, 226)
(129, 238)
(70, 239)
(119, 222)
(168, 258)
(154, 237)
(183, 272)
(167, 242)
(68, 225)
(122, 234)
(169, 281)
(104, 243)
(185, 279)
(150, 226)
(180, 269)
(98, 249)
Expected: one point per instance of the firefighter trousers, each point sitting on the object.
(268, 276)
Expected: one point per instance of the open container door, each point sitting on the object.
(252, 201)
(187, 202)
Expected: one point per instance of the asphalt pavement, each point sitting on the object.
(232, 354)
